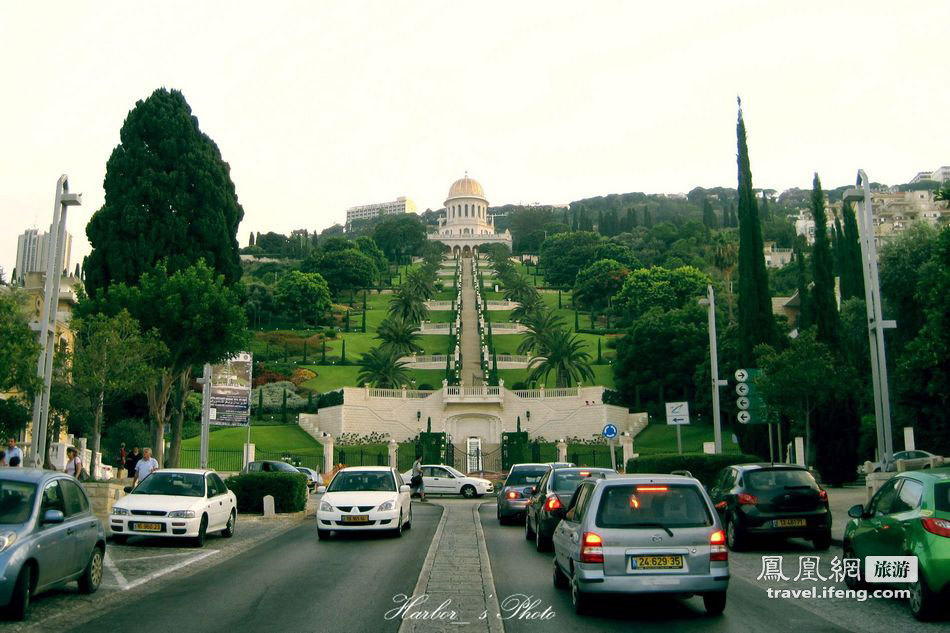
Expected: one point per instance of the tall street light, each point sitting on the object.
(710, 302)
(876, 322)
(47, 325)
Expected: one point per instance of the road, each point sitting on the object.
(290, 583)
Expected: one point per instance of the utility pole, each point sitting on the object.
(205, 382)
(47, 324)
(876, 322)
(710, 302)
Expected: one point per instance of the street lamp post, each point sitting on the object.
(876, 322)
(47, 325)
(710, 302)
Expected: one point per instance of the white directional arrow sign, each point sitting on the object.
(744, 417)
(742, 375)
(677, 413)
(742, 403)
(742, 389)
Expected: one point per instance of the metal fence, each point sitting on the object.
(362, 455)
(223, 460)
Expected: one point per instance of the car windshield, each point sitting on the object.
(362, 481)
(942, 496)
(16, 501)
(778, 478)
(176, 484)
(567, 481)
(652, 505)
(526, 475)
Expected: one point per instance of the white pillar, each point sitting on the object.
(561, 451)
(800, 450)
(626, 445)
(393, 454)
(328, 454)
(909, 438)
(249, 451)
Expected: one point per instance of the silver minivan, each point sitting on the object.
(641, 534)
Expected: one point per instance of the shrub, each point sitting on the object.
(289, 491)
(703, 467)
(301, 376)
(330, 399)
(274, 396)
(268, 377)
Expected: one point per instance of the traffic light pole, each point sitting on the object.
(710, 302)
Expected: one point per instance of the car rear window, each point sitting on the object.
(522, 476)
(772, 478)
(652, 505)
(942, 496)
(567, 481)
(16, 501)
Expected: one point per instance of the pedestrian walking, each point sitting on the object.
(122, 456)
(130, 461)
(73, 463)
(14, 454)
(417, 482)
(145, 466)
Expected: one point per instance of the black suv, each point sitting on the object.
(775, 500)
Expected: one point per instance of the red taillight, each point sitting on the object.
(584, 473)
(940, 527)
(745, 499)
(652, 488)
(823, 495)
(717, 546)
(513, 494)
(721, 505)
(553, 503)
(592, 548)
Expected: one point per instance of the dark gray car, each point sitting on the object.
(513, 495)
(641, 534)
(48, 537)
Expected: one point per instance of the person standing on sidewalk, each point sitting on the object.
(73, 463)
(145, 467)
(14, 454)
(417, 482)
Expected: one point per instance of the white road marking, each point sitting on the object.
(125, 585)
(128, 560)
(161, 572)
(107, 561)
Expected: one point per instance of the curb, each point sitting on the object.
(407, 626)
(495, 625)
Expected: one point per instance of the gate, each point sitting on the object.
(470, 459)
(514, 449)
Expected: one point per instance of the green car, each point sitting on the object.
(908, 516)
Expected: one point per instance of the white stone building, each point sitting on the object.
(941, 174)
(466, 224)
(402, 204)
(32, 250)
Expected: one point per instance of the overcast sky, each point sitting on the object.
(319, 106)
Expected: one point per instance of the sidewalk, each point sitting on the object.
(839, 501)
(456, 573)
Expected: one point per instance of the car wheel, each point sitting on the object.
(734, 537)
(20, 599)
(852, 582)
(823, 541)
(923, 602)
(228, 530)
(92, 576)
(541, 544)
(323, 534)
(581, 601)
(560, 579)
(397, 531)
(528, 532)
(199, 541)
(468, 491)
(715, 602)
(408, 524)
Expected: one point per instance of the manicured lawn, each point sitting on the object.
(661, 438)
(273, 438)
(441, 316)
(506, 343)
(435, 343)
(331, 377)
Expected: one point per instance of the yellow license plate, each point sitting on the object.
(657, 562)
(789, 522)
(356, 518)
(147, 527)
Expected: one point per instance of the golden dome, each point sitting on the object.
(465, 188)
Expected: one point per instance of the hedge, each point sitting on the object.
(288, 489)
(702, 466)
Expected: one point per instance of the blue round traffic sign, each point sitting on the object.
(610, 431)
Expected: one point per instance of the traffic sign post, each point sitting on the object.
(610, 432)
(751, 407)
(677, 414)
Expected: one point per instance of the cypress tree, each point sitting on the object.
(647, 218)
(323, 355)
(305, 351)
(756, 324)
(260, 402)
(283, 408)
(851, 256)
(764, 212)
(251, 241)
(343, 353)
(837, 245)
(825, 308)
(709, 216)
(599, 358)
(804, 310)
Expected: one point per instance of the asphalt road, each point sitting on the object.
(520, 570)
(292, 583)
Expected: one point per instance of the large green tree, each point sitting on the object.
(597, 283)
(563, 354)
(657, 287)
(852, 266)
(823, 303)
(168, 196)
(348, 269)
(756, 324)
(304, 297)
(563, 254)
(400, 237)
(368, 247)
(19, 349)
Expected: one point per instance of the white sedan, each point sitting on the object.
(179, 503)
(364, 498)
(440, 479)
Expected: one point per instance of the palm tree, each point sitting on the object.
(421, 282)
(517, 288)
(399, 335)
(565, 356)
(540, 326)
(408, 306)
(381, 367)
(725, 259)
(529, 306)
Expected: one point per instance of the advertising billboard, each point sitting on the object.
(231, 391)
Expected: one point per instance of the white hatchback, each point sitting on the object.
(180, 503)
(364, 498)
(440, 479)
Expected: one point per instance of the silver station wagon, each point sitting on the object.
(642, 534)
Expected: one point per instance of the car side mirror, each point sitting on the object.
(52, 517)
(856, 512)
(127, 489)
(321, 489)
(534, 490)
(404, 488)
